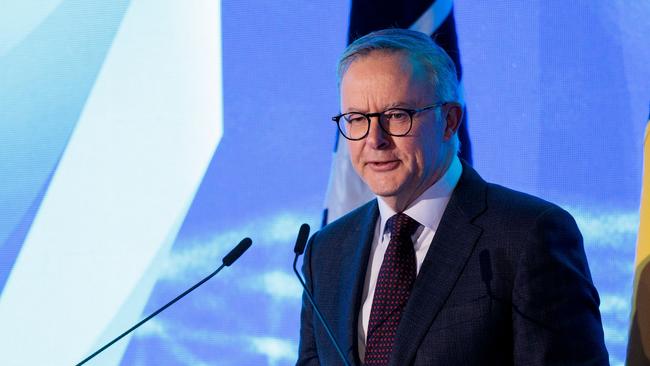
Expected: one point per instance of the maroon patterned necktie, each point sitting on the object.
(394, 284)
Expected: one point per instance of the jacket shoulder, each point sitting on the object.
(351, 220)
(517, 207)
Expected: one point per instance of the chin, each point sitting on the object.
(384, 191)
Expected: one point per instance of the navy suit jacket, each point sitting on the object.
(505, 282)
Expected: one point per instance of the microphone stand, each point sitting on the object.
(303, 234)
(227, 261)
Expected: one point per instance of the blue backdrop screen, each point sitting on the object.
(142, 140)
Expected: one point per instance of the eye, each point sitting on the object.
(354, 118)
(396, 115)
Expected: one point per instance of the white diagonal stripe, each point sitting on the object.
(122, 189)
(19, 18)
(431, 19)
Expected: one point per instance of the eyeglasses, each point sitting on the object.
(394, 121)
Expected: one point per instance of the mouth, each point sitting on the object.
(383, 166)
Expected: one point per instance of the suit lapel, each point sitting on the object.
(450, 249)
(356, 244)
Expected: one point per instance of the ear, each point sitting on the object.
(453, 115)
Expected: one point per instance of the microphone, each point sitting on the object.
(301, 241)
(229, 259)
(235, 253)
(299, 248)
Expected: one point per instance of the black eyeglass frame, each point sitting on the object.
(410, 112)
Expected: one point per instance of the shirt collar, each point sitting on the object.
(428, 208)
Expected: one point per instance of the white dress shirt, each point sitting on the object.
(427, 209)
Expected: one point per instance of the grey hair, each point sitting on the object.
(440, 69)
(418, 46)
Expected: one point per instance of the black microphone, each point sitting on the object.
(299, 248)
(301, 241)
(229, 259)
(235, 253)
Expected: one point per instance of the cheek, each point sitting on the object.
(422, 155)
(414, 152)
(354, 149)
(420, 163)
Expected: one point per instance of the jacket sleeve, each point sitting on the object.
(555, 313)
(307, 352)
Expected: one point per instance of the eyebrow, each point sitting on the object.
(385, 108)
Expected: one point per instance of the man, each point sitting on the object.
(442, 268)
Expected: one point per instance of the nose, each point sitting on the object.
(377, 138)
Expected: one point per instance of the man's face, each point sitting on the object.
(398, 169)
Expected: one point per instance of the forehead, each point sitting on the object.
(383, 78)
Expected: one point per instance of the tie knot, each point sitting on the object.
(401, 225)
